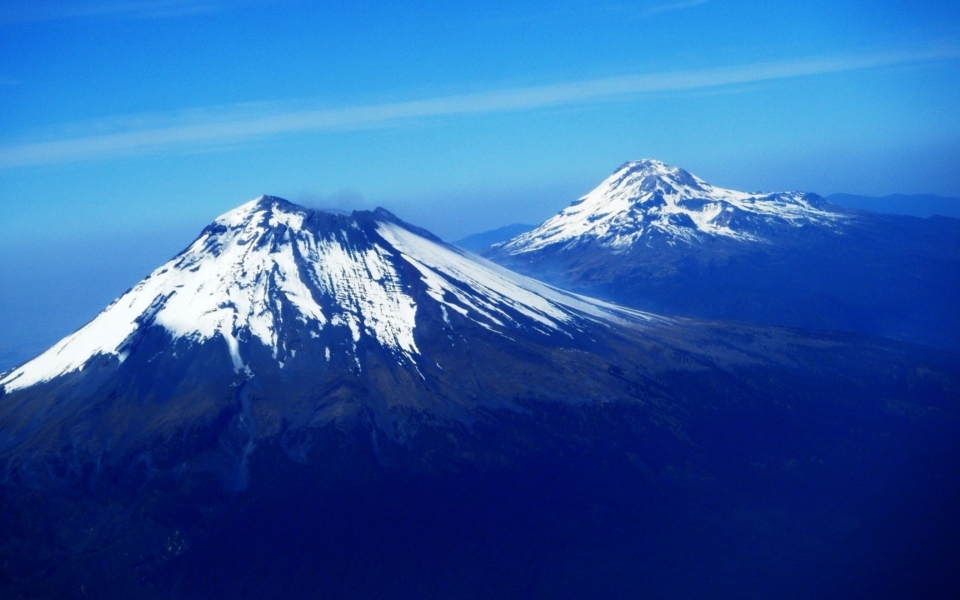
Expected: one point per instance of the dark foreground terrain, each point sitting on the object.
(763, 483)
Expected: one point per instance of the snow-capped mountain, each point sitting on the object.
(304, 403)
(270, 272)
(291, 317)
(658, 238)
(647, 199)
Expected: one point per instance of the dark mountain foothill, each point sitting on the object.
(309, 405)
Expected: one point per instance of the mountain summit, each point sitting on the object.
(648, 199)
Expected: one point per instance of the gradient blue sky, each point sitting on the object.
(126, 125)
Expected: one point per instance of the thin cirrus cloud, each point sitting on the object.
(618, 10)
(18, 11)
(129, 135)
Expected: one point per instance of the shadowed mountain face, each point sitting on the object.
(656, 237)
(304, 404)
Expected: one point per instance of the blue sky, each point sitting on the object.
(117, 112)
(126, 125)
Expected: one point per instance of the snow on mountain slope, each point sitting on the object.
(648, 198)
(492, 292)
(270, 267)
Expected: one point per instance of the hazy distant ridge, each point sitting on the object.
(915, 205)
(479, 241)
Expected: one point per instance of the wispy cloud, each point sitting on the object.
(620, 10)
(662, 8)
(18, 11)
(126, 135)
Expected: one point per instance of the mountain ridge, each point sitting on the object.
(915, 205)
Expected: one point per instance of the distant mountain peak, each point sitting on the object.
(647, 198)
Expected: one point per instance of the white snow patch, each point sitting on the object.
(495, 296)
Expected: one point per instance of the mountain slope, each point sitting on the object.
(658, 238)
(307, 404)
